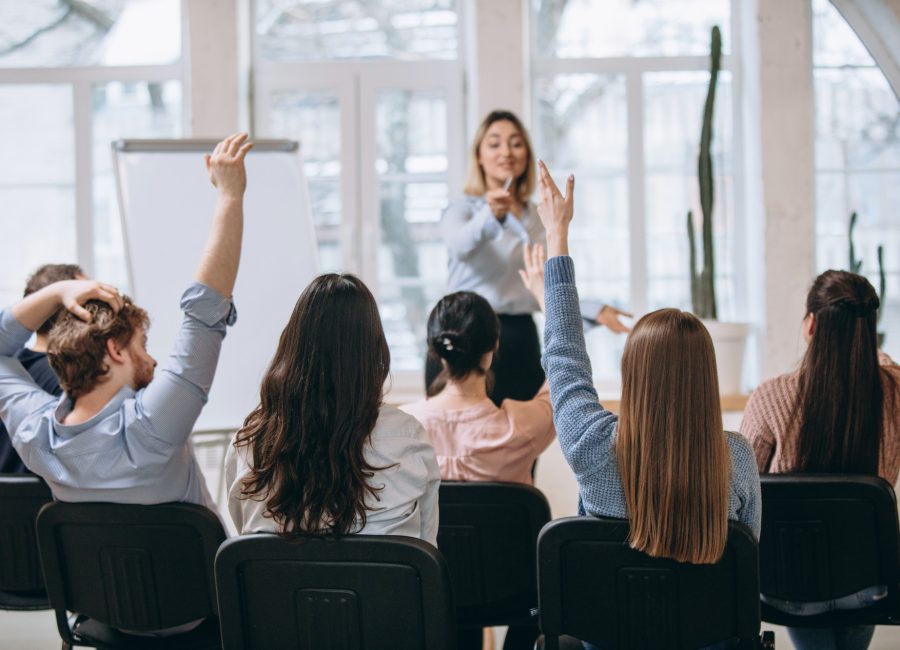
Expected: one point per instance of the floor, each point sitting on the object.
(37, 630)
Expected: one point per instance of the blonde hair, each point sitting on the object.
(672, 453)
(475, 184)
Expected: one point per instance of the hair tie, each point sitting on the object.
(447, 343)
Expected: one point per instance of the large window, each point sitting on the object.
(373, 92)
(857, 160)
(75, 76)
(618, 94)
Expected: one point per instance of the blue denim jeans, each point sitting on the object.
(850, 637)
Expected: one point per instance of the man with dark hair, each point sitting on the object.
(34, 359)
(119, 434)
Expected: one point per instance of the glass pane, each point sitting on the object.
(314, 118)
(857, 162)
(613, 28)
(292, 30)
(412, 261)
(37, 182)
(673, 115)
(834, 41)
(50, 33)
(581, 128)
(122, 111)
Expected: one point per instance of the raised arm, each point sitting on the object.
(585, 429)
(34, 310)
(172, 402)
(219, 263)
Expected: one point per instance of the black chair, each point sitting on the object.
(828, 536)
(488, 535)
(594, 587)
(359, 591)
(21, 580)
(121, 569)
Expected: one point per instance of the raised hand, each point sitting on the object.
(555, 210)
(226, 164)
(74, 293)
(609, 316)
(534, 257)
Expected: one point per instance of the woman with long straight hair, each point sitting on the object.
(484, 232)
(321, 454)
(839, 413)
(664, 463)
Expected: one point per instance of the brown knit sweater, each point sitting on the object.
(770, 424)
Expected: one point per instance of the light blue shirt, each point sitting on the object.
(485, 256)
(137, 449)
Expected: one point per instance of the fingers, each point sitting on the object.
(206, 159)
(235, 143)
(524, 277)
(242, 152)
(570, 188)
(627, 314)
(546, 177)
(80, 312)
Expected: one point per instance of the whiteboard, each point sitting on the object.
(166, 206)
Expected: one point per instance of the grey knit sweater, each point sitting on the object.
(587, 431)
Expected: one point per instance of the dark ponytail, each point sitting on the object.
(840, 402)
(462, 328)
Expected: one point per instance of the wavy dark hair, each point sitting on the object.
(319, 402)
(840, 401)
(462, 328)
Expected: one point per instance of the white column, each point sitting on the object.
(211, 61)
(495, 58)
(780, 200)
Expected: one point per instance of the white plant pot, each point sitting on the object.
(729, 341)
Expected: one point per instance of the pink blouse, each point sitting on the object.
(486, 443)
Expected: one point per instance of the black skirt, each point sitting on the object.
(517, 363)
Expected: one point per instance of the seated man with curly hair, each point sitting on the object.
(118, 433)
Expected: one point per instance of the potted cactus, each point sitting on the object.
(856, 267)
(729, 339)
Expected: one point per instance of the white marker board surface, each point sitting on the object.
(167, 204)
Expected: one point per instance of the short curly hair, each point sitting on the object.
(76, 350)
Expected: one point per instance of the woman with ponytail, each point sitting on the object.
(839, 413)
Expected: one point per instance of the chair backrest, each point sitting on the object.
(828, 536)
(349, 593)
(21, 497)
(594, 587)
(488, 535)
(133, 567)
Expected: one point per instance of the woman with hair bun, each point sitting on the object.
(474, 439)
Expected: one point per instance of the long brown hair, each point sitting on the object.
(475, 183)
(840, 401)
(672, 453)
(319, 401)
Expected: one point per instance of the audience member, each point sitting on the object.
(664, 463)
(120, 434)
(321, 454)
(34, 359)
(839, 413)
(475, 440)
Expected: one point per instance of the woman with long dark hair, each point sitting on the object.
(321, 454)
(839, 413)
(485, 231)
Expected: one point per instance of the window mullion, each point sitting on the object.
(636, 199)
(84, 171)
